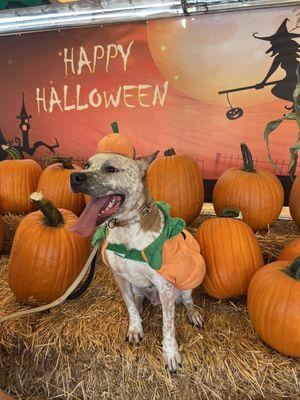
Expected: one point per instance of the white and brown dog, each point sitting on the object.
(117, 186)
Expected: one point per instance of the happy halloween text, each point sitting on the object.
(75, 63)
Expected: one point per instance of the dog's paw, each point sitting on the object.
(135, 334)
(195, 318)
(173, 359)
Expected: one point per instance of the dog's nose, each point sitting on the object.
(77, 178)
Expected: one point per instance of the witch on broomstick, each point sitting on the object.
(285, 50)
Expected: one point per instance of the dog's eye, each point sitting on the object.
(86, 166)
(111, 169)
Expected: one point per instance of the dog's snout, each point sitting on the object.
(77, 178)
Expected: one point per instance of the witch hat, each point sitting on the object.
(281, 33)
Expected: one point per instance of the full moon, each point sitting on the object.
(203, 55)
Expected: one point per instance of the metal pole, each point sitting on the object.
(100, 12)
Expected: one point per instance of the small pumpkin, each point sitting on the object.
(116, 142)
(18, 178)
(274, 305)
(46, 256)
(177, 180)
(257, 193)
(54, 183)
(294, 201)
(231, 253)
(291, 251)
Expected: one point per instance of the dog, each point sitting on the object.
(120, 198)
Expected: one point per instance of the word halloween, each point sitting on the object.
(130, 96)
(78, 97)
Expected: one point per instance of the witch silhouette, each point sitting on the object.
(285, 52)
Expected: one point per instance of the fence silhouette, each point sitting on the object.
(224, 161)
(43, 161)
(82, 161)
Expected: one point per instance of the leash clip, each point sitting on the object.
(112, 223)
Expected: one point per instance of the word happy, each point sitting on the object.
(79, 97)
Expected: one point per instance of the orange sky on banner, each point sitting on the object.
(196, 56)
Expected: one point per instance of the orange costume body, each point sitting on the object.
(175, 254)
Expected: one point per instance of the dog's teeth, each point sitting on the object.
(110, 204)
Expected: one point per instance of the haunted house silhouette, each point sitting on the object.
(285, 52)
(23, 144)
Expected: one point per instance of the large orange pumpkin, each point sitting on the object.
(116, 143)
(177, 180)
(257, 193)
(18, 178)
(54, 183)
(291, 251)
(274, 305)
(46, 257)
(231, 253)
(294, 201)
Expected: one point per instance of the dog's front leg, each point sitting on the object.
(135, 330)
(170, 347)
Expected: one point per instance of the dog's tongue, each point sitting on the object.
(88, 219)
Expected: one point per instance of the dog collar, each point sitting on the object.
(142, 212)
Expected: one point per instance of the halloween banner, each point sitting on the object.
(201, 85)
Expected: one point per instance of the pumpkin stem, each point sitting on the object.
(294, 269)
(247, 158)
(13, 152)
(52, 215)
(64, 161)
(169, 152)
(114, 127)
(230, 213)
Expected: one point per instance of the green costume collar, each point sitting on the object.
(173, 226)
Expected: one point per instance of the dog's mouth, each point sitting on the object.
(96, 212)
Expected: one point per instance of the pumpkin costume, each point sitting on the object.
(174, 254)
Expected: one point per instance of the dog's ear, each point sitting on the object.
(144, 162)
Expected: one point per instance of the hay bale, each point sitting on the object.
(12, 222)
(276, 238)
(78, 351)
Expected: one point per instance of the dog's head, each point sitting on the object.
(116, 185)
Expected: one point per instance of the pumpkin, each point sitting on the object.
(18, 178)
(86, 198)
(274, 305)
(46, 256)
(231, 253)
(4, 396)
(116, 143)
(257, 193)
(291, 251)
(294, 201)
(54, 183)
(176, 180)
